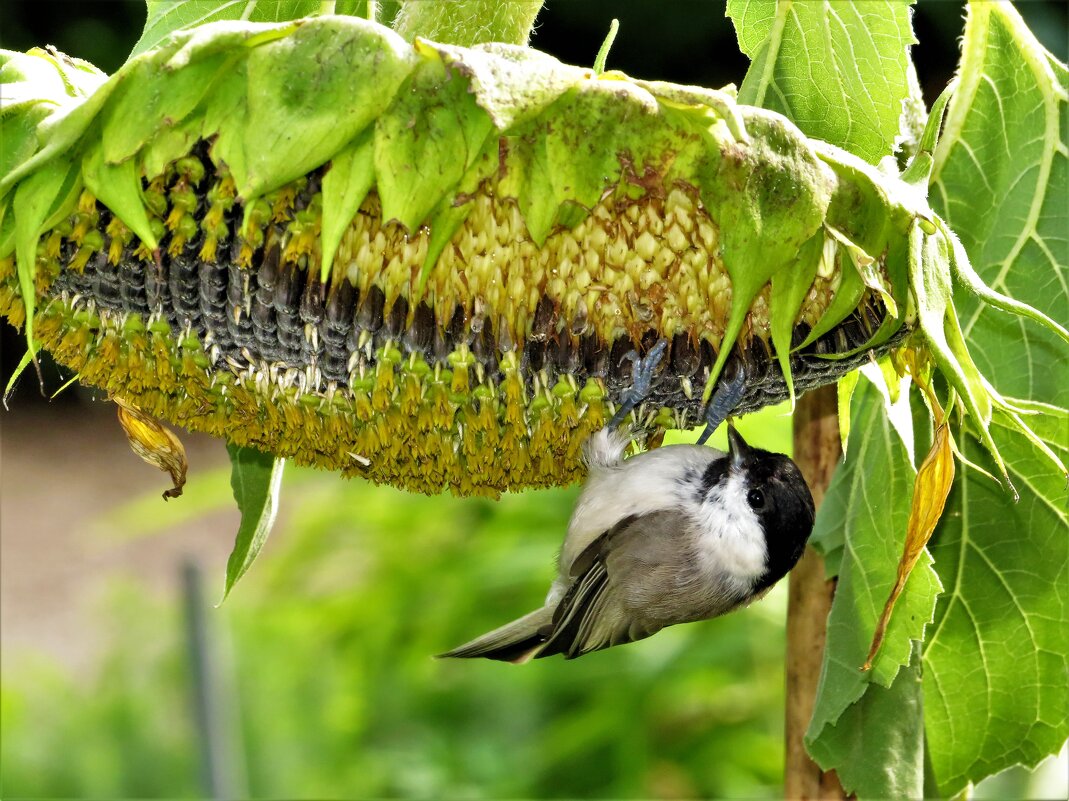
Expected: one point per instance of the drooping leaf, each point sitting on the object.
(789, 287)
(758, 232)
(844, 393)
(423, 149)
(39, 200)
(278, 129)
(141, 113)
(860, 529)
(119, 186)
(12, 381)
(838, 68)
(37, 84)
(345, 186)
(255, 478)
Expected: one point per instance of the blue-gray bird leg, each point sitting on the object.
(722, 404)
(642, 370)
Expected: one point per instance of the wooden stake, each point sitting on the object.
(817, 451)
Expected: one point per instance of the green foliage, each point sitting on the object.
(1000, 179)
(422, 150)
(255, 478)
(998, 656)
(875, 744)
(995, 659)
(838, 69)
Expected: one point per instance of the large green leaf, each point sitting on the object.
(839, 69)
(166, 16)
(875, 745)
(860, 528)
(997, 660)
(1001, 179)
(996, 664)
(255, 478)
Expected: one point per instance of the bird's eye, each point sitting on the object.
(755, 498)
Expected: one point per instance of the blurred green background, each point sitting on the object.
(316, 679)
(324, 681)
(120, 679)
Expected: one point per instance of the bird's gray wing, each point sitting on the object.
(623, 585)
(577, 612)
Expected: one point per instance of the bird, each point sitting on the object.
(673, 535)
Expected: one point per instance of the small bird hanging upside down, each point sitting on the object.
(674, 535)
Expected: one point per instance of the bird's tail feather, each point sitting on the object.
(516, 642)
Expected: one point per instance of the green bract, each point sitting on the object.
(422, 263)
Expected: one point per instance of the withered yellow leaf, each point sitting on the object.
(930, 490)
(155, 444)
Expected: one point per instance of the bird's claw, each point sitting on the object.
(642, 370)
(722, 404)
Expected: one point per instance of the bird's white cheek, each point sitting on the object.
(732, 539)
(735, 551)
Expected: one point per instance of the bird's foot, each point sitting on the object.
(642, 369)
(727, 396)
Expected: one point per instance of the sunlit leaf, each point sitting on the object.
(995, 664)
(1000, 181)
(838, 68)
(875, 744)
(844, 393)
(997, 657)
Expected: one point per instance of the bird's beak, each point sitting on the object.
(737, 446)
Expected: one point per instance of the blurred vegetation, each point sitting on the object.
(328, 646)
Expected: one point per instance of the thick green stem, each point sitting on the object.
(468, 22)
